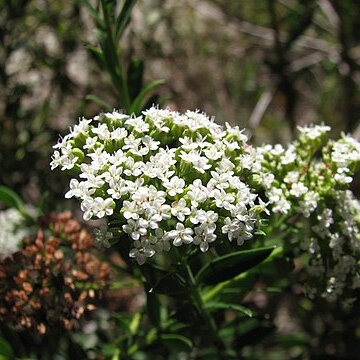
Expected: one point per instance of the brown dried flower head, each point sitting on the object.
(55, 279)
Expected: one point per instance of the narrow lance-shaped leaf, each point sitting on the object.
(179, 342)
(97, 53)
(123, 18)
(135, 323)
(228, 266)
(214, 305)
(136, 105)
(102, 103)
(94, 14)
(10, 198)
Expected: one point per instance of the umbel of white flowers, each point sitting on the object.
(168, 178)
(311, 177)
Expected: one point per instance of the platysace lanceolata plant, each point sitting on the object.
(169, 179)
(311, 177)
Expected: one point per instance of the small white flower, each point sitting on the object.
(282, 206)
(180, 209)
(136, 228)
(267, 179)
(298, 189)
(118, 134)
(81, 127)
(98, 207)
(180, 235)
(90, 143)
(103, 207)
(133, 168)
(222, 199)
(197, 192)
(342, 178)
(290, 155)
(118, 188)
(174, 186)
(138, 124)
(150, 144)
(79, 189)
(225, 166)
(117, 158)
(310, 202)
(131, 210)
(204, 234)
(115, 116)
(315, 131)
(219, 181)
(292, 177)
(113, 174)
(131, 143)
(102, 132)
(274, 195)
(68, 162)
(160, 240)
(212, 153)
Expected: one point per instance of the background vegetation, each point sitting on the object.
(265, 65)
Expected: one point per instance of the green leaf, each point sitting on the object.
(179, 342)
(228, 266)
(5, 349)
(228, 306)
(135, 77)
(94, 14)
(103, 104)
(135, 323)
(136, 104)
(10, 198)
(97, 53)
(124, 17)
(260, 232)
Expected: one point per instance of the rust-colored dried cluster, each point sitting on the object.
(54, 280)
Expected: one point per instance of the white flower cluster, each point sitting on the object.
(296, 178)
(336, 233)
(11, 232)
(168, 178)
(345, 155)
(310, 177)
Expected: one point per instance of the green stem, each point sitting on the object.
(199, 303)
(119, 69)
